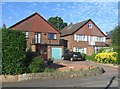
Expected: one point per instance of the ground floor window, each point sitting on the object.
(82, 50)
(97, 48)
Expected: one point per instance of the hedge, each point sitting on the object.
(13, 49)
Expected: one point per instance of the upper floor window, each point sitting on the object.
(37, 38)
(51, 36)
(26, 34)
(80, 38)
(89, 25)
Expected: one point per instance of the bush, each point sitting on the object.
(117, 49)
(13, 49)
(83, 56)
(101, 50)
(91, 57)
(106, 57)
(29, 55)
(49, 69)
(37, 65)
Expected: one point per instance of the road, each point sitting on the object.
(102, 80)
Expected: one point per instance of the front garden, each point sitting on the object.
(19, 64)
(106, 56)
(110, 55)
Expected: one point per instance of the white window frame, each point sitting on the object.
(26, 34)
(89, 25)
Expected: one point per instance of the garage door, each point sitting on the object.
(56, 53)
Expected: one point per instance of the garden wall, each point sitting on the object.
(52, 75)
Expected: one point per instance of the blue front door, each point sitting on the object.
(56, 53)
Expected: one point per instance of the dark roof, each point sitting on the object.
(30, 17)
(109, 35)
(72, 28)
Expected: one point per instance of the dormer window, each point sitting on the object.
(89, 25)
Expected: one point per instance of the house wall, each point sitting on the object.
(94, 31)
(49, 50)
(70, 41)
(108, 41)
(44, 39)
(90, 50)
(36, 23)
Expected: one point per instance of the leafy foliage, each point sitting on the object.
(90, 57)
(106, 57)
(101, 50)
(116, 42)
(29, 55)
(50, 69)
(0, 51)
(13, 49)
(37, 65)
(57, 22)
(116, 36)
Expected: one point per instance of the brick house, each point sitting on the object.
(41, 35)
(84, 36)
(109, 38)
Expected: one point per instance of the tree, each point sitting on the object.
(116, 36)
(13, 51)
(57, 22)
(116, 41)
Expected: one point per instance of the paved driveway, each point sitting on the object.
(96, 81)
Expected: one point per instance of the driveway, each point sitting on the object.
(110, 77)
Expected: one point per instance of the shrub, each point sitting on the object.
(91, 57)
(108, 49)
(29, 55)
(83, 56)
(13, 49)
(101, 50)
(117, 49)
(47, 69)
(106, 57)
(37, 65)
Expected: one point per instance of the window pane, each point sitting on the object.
(54, 36)
(26, 34)
(48, 35)
(38, 37)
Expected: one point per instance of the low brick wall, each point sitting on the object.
(9, 78)
(52, 75)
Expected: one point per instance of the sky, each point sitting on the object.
(104, 14)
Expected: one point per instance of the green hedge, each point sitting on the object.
(13, 49)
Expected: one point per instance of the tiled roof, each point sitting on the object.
(70, 29)
(35, 23)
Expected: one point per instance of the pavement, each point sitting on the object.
(108, 79)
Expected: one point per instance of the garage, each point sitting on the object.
(56, 53)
